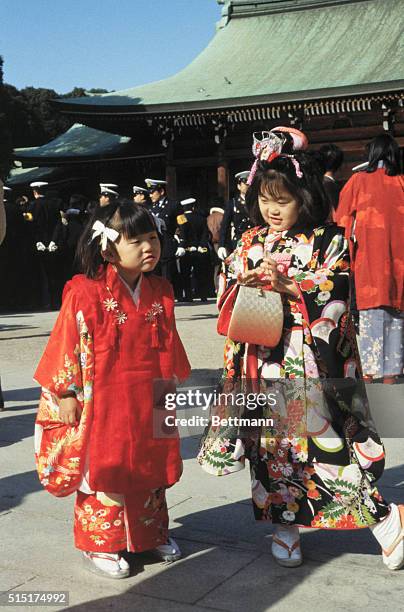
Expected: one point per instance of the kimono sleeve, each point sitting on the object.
(66, 366)
(324, 295)
(182, 368)
(59, 370)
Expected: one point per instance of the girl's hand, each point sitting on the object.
(253, 278)
(280, 283)
(69, 410)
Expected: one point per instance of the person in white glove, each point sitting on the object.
(40, 246)
(52, 247)
(180, 252)
(222, 253)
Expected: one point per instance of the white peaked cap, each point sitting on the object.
(142, 189)
(109, 188)
(216, 209)
(7, 188)
(38, 184)
(242, 175)
(154, 183)
(188, 202)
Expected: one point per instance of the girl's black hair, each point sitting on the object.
(384, 148)
(278, 176)
(124, 216)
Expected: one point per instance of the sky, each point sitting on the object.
(110, 44)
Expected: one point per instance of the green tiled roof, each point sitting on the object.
(79, 141)
(25, 176)
(283, 50)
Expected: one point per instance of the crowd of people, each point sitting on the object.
(38, 255)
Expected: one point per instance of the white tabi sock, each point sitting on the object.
(385, 532)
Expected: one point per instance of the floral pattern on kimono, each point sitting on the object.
(60, 449)
(100, 521)
(316, 465)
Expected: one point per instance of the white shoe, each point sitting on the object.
(286, 546)
(168, 552)
(109, 565)
(393, 555)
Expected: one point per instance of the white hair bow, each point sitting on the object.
(106, 233)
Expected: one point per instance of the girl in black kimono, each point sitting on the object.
(317, 464)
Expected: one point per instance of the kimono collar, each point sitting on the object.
(134, 293)
(273, 235)
(123, 294)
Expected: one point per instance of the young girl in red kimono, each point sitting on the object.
(113, 349)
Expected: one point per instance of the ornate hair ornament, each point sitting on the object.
(296, 164)
(105, 233)
(268, 145)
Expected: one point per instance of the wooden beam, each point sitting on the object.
(171, 178)
(223, 180)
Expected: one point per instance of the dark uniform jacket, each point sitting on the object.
(172, 214)
(235, 222)
(46, 216)
(196, 233)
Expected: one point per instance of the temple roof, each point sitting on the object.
(79, 143)
(25, 176)
(275, 51)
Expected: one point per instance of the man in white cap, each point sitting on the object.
(108, 193)
(46, 214)
(236, 220)
(195, 262)
(171, 213)
(141, 195)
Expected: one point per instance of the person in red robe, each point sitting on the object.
(371, 210)
(112, 354)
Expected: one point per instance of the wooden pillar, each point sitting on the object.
(171, 174)
(222, 175)
(171, 178)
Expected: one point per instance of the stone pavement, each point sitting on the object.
(227, 563)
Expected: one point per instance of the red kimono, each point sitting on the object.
(117, 359)
(376, 202)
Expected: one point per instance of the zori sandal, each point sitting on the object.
(168, 552)
(393, 556)
(109, 565)
(287, 554)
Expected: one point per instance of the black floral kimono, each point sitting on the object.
(316, 461)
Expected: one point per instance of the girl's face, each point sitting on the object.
(137, 255)
(280, 214)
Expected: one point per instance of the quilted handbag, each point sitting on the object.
(257, 316)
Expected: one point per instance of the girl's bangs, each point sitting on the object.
(131, 220)
(275, 185)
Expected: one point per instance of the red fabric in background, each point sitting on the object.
(376, 201)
